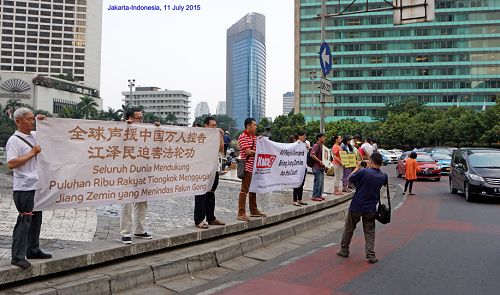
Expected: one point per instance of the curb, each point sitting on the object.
(103, 252)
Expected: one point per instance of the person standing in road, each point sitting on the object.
(410, 172)
(364, 205)
(338, 167)
(299, 191)
(318, 168)
(134, 212)
(21, 157)
(247, 143)
(204, 205)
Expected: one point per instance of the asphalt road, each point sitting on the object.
(437, 243)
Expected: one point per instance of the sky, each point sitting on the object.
(187, 50)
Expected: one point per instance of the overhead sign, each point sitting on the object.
(325, 58)
(326, 86)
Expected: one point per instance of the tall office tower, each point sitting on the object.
(48, 38)
(454, 60)
(288, 99)
(221, 108)
(246, 69)
(201, 109)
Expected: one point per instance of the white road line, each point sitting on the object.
(220, 288)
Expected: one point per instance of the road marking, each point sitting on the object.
(330, 245)
(221, 287)
(292, 260)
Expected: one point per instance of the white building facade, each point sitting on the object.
(201, 109)
(221, 108)
(288, 101)
(161, 102)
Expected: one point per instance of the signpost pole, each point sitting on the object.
(322, 96)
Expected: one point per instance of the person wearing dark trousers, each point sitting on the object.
(299, 191)
(227, 142)
(204, 205)
(21, 157)
(364, 206)
(410, 172)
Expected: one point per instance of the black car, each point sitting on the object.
(476, 172)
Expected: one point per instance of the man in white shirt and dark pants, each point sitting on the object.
(21, 157)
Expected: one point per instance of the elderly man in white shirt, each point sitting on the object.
(21, 157)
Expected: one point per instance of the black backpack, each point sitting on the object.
(310, 160)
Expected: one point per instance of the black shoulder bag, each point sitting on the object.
(25, 141)
(383, 211)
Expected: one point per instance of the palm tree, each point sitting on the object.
(170, 119)
(87, 107)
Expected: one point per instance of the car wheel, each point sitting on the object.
(438, 179)
(452, 189)
(467, 194)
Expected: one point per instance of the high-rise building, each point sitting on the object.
(52, 37)
(454, 60)
(201, 109)
(161, 102)
(246, 69)
(288, 100)
(221, 108)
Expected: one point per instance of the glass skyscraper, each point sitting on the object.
(246, 69)
(454, 60)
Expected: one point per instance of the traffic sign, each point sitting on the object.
(325, 58)
(326, 86)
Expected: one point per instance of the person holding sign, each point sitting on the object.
(298, 191)
(338, 167)
(21, 157)
(348, 165)
(318, 168)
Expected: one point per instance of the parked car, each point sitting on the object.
(393, 157)
(475, 172)
(444, 161)
(427, 167)
(397, 152)
(385, 159)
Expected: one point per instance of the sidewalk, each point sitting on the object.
(89, 236)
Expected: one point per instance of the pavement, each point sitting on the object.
(90, 232)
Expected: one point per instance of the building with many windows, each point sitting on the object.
(201, 109)
(161, 102)
(246, 69)
(288, 100)
(52, 37)
(221, 108)
(454, 60)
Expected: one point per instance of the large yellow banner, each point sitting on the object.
(349, 160)
(91, 163)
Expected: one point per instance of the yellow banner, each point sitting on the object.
(349, 160)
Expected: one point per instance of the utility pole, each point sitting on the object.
(131, 83)
(322, 96)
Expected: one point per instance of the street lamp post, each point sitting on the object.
(312, 76)
(131, 83)
(322, 96)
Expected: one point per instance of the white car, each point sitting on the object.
(392, 156)
(396, 151)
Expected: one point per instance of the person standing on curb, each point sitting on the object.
(410, 172)
(299, 191)
(318, 168)
(227, 142)
(134, 212)
(204, 205)
(247, 143)
(364, 206)
(348, 148)
(338, 166)
(21, 157)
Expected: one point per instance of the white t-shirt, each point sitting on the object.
(367, 148)
(25, 177)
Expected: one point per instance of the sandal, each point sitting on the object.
(202, 225)
(302, 203)
(296, 204)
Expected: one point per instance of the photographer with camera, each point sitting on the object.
(364, 205)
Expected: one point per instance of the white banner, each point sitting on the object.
(91, 163)
(278, 165)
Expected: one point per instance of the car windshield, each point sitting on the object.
(485, 160)
(384, 152)
(441, 157)
(424, 158)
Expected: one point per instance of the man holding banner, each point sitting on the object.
(247, 143)
(22, 151)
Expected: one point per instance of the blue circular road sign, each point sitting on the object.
(325, 58)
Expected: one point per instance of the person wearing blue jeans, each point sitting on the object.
(318, 168)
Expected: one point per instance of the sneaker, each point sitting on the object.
(127, 240)
(342, 253)
(143, 236)
(372, 259)
(24, 264)
(324, 195)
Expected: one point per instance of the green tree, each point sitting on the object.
(87, 107)
(490, 121)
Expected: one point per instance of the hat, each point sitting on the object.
(227, 132)
(358, 142)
